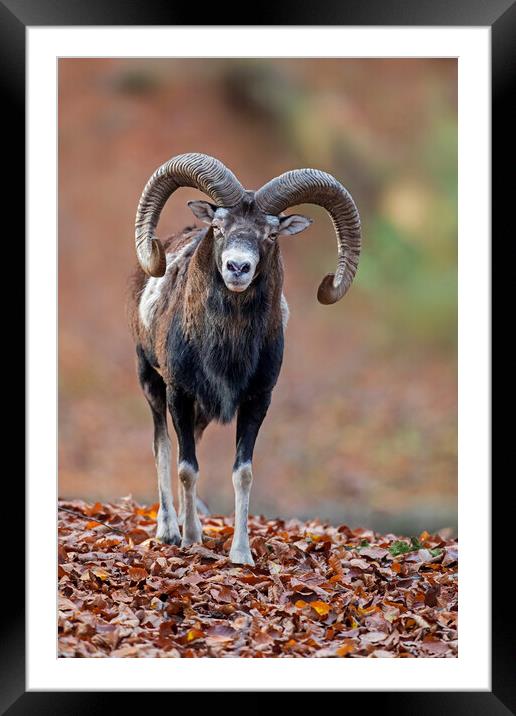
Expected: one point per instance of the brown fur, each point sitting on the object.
(186, 290)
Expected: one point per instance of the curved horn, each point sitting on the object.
(312, 186)
(196, 170)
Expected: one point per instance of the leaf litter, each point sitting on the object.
(316, 590)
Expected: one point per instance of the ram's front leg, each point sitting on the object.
(181, 407)
(250, 417)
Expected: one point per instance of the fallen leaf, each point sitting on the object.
(100, 573)
(347, 647)
(137, 574)
(320, 607)
(317, 591)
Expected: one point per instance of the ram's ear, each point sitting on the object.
(293, 224)
(203, 210)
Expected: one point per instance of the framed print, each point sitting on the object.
(371, 417)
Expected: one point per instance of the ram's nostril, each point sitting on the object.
(238, 268)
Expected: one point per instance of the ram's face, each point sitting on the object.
(243, 239)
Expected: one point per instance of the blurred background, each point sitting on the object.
(363, 423)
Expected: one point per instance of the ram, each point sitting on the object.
(207, 314)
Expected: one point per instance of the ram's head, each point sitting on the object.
(246, 224)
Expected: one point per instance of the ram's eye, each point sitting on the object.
(273, 235)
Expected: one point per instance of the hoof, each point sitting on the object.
(168, 536)
(241, 556)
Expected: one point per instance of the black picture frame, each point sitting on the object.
(500, 15)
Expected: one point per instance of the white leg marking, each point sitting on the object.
(181, 496)
(192, 529)
(168, 528)
(285, 312)
(240, 550)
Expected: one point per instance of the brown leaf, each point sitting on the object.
(347, 647)
(374, 552)
(100, 573)
(373, 636)
(137, 574)
(431, 595)
(203, 552)
(221, 633)
(192, 635)
(450, 555)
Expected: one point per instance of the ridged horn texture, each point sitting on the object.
(311, 186)
(196, 170)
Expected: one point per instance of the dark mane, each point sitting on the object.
(233, 346)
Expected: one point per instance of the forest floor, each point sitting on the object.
(316, 590)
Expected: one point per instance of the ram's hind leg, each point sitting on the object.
(155, 392)
(200, 424)
(181, 408)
